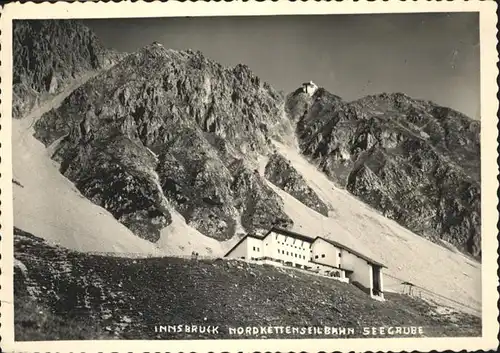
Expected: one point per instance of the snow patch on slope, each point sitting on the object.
(48, 205)
(179, 239)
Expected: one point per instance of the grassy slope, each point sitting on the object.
(125, 298)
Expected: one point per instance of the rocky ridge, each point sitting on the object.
(48, 55)
(414, 161)
(281, 173)
(164, 128)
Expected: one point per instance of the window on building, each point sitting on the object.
(322, 255)
(340, 254)
(287, 252)
(316, 256)
(254, 248)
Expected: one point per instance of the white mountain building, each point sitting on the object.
(309, 87)
(282, 247)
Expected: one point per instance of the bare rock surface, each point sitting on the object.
(414, 161)
(162, 128)
(48, 55)
(281, 173)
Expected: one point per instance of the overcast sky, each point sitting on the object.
(428, 56)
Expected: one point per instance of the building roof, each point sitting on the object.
(354, 252)
(290, 234)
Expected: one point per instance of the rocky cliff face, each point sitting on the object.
(281, 173)
(48, 55)
(414, 161)
(164, 129)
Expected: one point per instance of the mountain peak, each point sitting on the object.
(73, 51)
(382, 140)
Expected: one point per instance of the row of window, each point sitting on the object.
(283, 252)
(323, 255)
(293, 246)
(287, 253)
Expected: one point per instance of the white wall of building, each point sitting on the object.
(240, 251)
(287, 249)
(255, 250)
(362, 270)
(325, 253)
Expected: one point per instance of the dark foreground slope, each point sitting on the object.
(126, 298)
(416, 162)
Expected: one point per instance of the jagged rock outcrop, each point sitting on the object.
(48, 54)
(260, 207)
(198, 184)
(281, 173)
(162, 127)
(416, 162)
